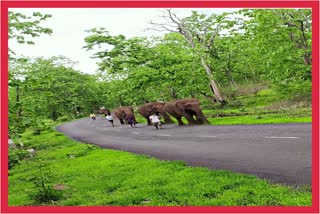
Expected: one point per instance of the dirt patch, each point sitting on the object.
(60, 187)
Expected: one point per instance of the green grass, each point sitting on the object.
(98, 176)
(140, 119)
(262, 118)
(257, 119)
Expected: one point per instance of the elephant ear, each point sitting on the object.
(188, 106)
(180, 106)
(191, 104)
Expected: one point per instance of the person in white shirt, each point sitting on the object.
(155, 120)
(110, 119)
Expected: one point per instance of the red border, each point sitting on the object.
(158, 4)
(4, 106)
(315, 105)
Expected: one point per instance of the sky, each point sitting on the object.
(69, 26)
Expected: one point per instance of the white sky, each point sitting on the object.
(69, 25)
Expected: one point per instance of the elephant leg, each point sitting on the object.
(167, 118)
(189, 116)
(201, 119)
(190, 119)
(180, 121)
(121, 121)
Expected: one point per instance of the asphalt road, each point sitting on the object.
(280, 153)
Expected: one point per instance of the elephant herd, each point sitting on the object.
(187, 108)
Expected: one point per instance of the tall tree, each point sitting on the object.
(283, 41)
(22, 29)
(146, 70)
(200, 31)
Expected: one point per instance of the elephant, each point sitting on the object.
(124, 113)
(155, 107)
(188, 108)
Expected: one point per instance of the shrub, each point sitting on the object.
(44, 191)
(41, 125)
(80, 115)
(46, 124)
(15, 156)
(295, 90)
(62, 119)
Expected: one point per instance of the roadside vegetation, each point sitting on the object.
(252, 66)
(65, 172)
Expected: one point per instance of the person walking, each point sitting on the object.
(93, 116)
(155, 120)
(110, 119)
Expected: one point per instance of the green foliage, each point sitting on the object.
(282, 38)
(62, 119)
(45, 124)
(23, 28)
(49, 89)
(44, 192)
(298, 90)
(248, 47)
(79, 152)
(16, 156)
(41, 125)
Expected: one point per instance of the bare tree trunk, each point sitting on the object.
(213, 85)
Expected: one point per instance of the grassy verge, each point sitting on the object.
(249, 119)
(88, 175)
(257, 119)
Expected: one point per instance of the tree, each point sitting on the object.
(179, 71)
(280, 44)
(200, 31)
(146, 70)
(283, 38)
(21, 28)
(49, 89)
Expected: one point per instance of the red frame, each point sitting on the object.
(5, 4)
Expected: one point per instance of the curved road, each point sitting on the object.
(280, 153)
